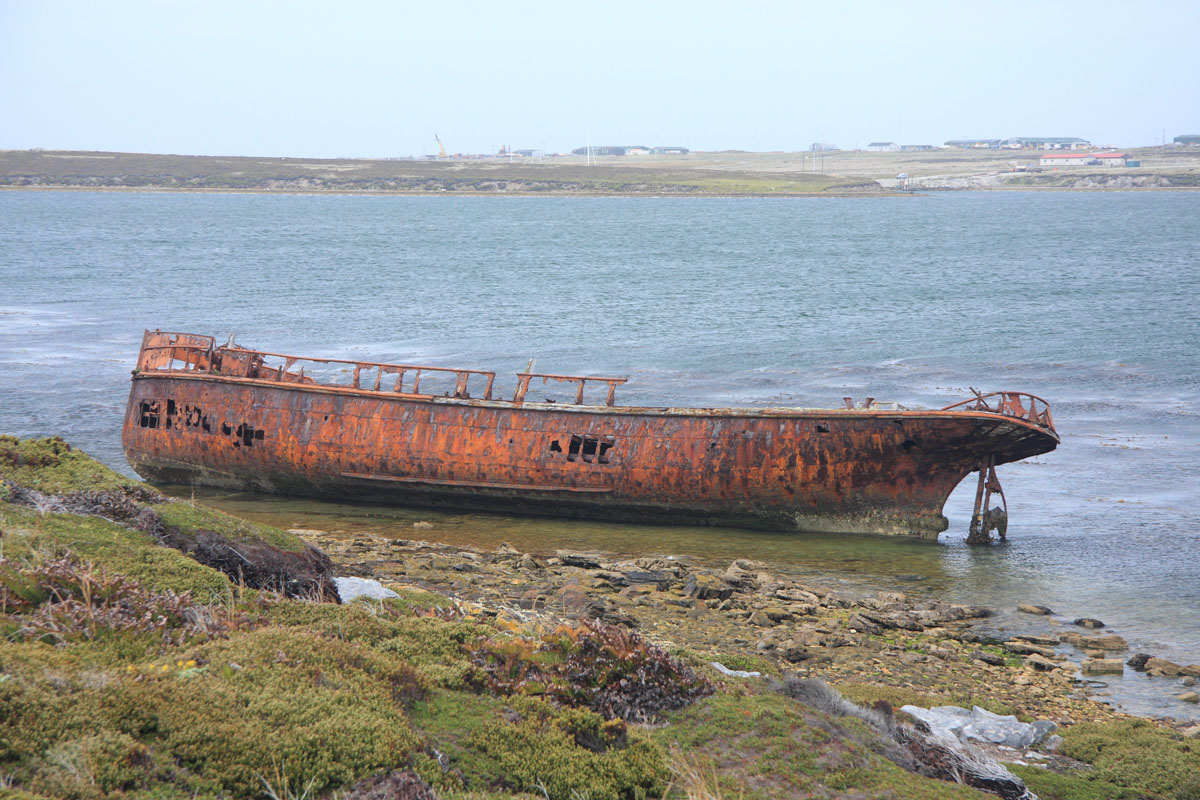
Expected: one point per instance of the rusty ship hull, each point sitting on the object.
(223, 417)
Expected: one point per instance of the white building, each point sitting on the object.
(1083, 159)
(883, 147)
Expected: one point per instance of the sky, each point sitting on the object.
(379, 79)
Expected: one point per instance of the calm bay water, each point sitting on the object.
(1089, 300)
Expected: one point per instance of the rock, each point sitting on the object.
(1111, 642)
(954, 723)
(1026, 649)
(572, 558)
(351, 589)
(969, 612)
(661, 579)
(1188, 697)
(734, 673)
(988, 658)
(1032, 609)
(795, 652)
(797, 596)
(761, 619)
(743, 574)
(1088, 622)
(860, 623)
(1044, 641)
(617, 579)
(706, 586)
(1160, 666)
(1189, 681)
(776, 614)
(1040, 663)
(1138, 661)
(1191, 733)
(941, 652)
(1191, 670)
(532, 600)
(1102, 666)
(506, 549)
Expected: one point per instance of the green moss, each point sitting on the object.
(117, 549)
(869, 693)
(1135, 753)
(189, 518)
(52, 466)
(523, 744)
(325, 710)
(1049, 785)
(767, 746)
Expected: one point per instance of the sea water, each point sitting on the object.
(1086, 299)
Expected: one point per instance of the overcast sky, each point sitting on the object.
(352, 78)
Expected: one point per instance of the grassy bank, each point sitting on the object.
(130, 669)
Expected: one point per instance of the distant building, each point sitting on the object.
(1046, 143)
(976, 144)
(916, 148)
(1192, 139)
(819, 147)
(613, 150)
(1083, 159)
(883, 147)
(669, 151)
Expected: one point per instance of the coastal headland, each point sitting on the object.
(697, 174)
(155, 647)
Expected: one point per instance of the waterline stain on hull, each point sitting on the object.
(221, 417)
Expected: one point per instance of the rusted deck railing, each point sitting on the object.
(166, 351)
(1012, 404)
(523, 379)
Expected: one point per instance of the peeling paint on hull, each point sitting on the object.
(853, 471)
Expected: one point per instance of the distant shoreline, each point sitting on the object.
(884, 194)
(758, 175)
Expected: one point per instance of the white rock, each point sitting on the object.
(350, 589)
(734, 673)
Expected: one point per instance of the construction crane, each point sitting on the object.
(441, 150)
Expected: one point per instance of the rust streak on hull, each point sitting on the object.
(195, 419)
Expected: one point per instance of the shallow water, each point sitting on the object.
(1087, 300)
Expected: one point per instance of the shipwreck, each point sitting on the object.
(243, 419)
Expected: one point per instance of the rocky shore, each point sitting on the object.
(870, 644)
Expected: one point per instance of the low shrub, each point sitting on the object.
(606, 668)
(1135, 753)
